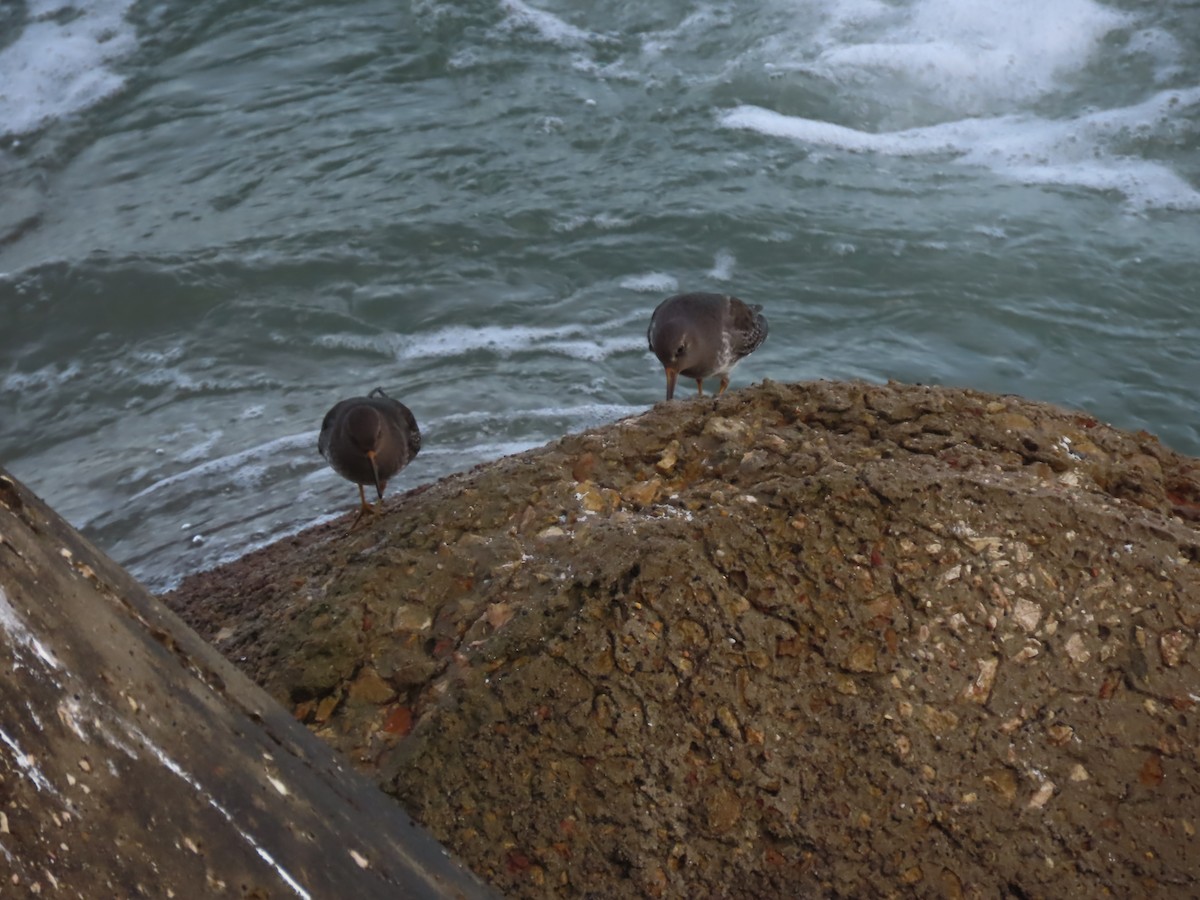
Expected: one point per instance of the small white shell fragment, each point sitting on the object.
(1043, 795)
(1076, 650)
(1027, 614)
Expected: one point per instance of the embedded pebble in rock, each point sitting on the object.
(1027, 614)
(822, 639)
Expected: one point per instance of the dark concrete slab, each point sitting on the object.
(136, 761)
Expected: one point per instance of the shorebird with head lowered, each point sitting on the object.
(700, 335)
(368, 440)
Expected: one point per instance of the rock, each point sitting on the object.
(410, 617)
(583, 466)
(370, 688)
(644, 493)
(668, 458)
(591, 498)
(964, 623)
(1076, 648)
(725, 429)
(979, 690)
(723, 808)
(1028, 614)
(1174, 646)
(136, 761)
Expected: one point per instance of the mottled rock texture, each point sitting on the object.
(822, 639)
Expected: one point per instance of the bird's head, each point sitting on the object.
(673, 346)
(364, 426)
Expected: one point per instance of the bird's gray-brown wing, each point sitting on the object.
(327, 423)
(748, 327)
(413, 432)
(403, 421)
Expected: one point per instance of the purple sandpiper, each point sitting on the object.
(367, 440)
(700, 335)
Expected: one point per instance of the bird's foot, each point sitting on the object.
(364, 512)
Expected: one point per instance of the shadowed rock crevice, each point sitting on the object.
(837, 639)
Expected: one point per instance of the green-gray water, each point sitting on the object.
(218, 218)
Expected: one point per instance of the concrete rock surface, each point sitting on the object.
(136, 762)
(821, 639)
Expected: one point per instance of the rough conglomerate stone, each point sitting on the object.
(826, 639)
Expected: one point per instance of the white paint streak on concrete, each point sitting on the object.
(28, 765)
(178, 771)
(21, 636)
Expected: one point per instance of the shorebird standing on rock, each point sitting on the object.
(701, 335)
(367, 440)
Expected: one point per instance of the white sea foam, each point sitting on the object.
(1162, 50)
(244, 465)
(702, 20)
(971, 58)
(965, 78)
(650, 283)
(603, 221)
(588, 412)
(62, 62)
(723, 264)
(1082, 151)
(249, 468)
(202, 449)
(494, 450)
(502, 339)
(546, 25)
(596, 350)
(47, 377)
(578, 341)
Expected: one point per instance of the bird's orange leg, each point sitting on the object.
(724, 385)
(363, 509)
(700, 387)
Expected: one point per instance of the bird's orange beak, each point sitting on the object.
(379, 485)
(672, 374)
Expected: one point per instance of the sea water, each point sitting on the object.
(218, 217)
